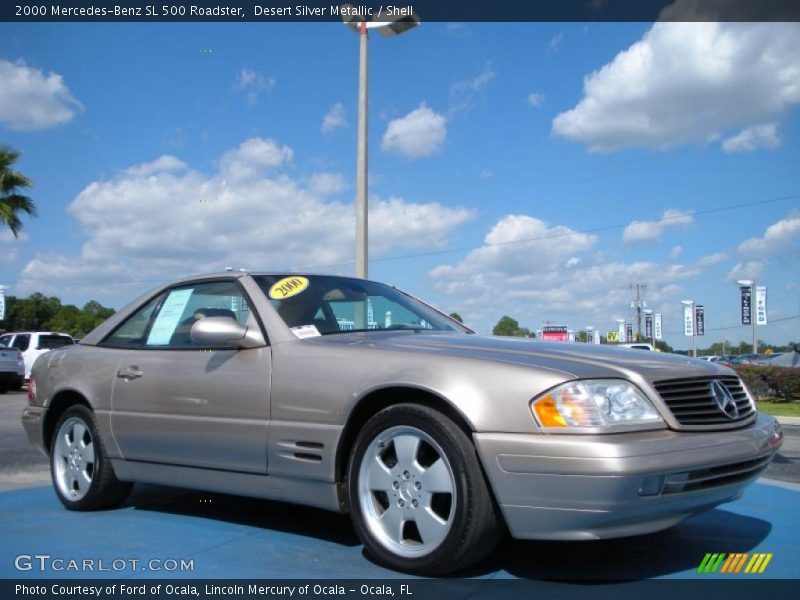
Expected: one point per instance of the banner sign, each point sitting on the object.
(688, 320)
(761, 305)
(657, 327)
(612, 336)
(590, 337)
(555, 333)
(700, 319)
(2, 303)
(629, 332)
(746, 305)
(648, 326)
(597, 336)
(621, 331)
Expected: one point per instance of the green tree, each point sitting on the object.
(663, 346)
(457, 317)
(12, 201)
(508, 326)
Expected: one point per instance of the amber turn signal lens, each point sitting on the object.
(547, 413)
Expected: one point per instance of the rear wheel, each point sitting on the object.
(82, 474)
(418, 497)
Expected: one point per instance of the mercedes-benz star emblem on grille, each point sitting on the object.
(724, 399)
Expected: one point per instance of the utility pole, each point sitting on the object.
(639, 303)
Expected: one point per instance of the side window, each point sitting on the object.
(184, 306)
(22, 342)
(133, 330)
(5, 340)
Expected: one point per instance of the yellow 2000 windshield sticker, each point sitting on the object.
(288, 287)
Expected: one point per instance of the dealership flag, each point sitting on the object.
(629, 332)
(657, 327)
(746, 306)
(648, 326)
(2, 303)
(621, 336)
(761, 305)
(688, 320)
(700, 319)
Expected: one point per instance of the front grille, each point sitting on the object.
(691, 400)
(702, 479)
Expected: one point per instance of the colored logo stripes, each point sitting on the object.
(735, 563)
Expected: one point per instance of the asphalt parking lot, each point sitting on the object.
(234, 537)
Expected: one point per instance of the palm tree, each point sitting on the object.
(12, 203)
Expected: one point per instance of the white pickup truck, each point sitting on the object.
(32, 344)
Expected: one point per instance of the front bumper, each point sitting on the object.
(577, 487)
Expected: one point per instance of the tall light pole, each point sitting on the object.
(751, 283)
(389, 27)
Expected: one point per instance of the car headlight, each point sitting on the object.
(593, 404)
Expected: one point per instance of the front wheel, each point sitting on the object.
(81, 471)
(418, 497)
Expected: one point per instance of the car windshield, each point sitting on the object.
(331, 305)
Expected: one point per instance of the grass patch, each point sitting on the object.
(780, 409)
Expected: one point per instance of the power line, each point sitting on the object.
(551, 236)
(771, 321)
(567, 234)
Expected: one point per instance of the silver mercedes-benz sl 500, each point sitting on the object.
(353, 396)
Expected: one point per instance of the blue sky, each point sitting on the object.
(165, 149)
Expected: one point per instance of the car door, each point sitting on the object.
(174, 402)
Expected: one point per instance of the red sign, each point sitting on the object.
(555, 333)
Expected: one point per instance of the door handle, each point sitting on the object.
(131, 372)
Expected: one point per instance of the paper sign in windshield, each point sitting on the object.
(306, 331)
(288, 287)
(168, 317)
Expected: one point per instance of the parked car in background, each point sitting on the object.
(12, 369)
(352, 396)
(33, 344)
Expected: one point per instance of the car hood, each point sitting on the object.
(573, 359)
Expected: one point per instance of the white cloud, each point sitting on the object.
(688, 83)
(485, 174)
(252, 158)
(753, 138)
(650, 231)
(747, 269)
(560, 275)
(251, 83)
(465, 95)
(535, 99)
(554, 45)
(420, 133)
(8, 238)
(161, 219)
(162, 163)
(782, 237)
(334, 119)
(9, 245)
(326, 184)
(676, 252)
(31, 100)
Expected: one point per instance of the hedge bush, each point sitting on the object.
(777, 384)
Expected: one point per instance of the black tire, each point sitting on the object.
(103, 489)
(474, 527)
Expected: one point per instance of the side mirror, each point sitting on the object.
(224, 331)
